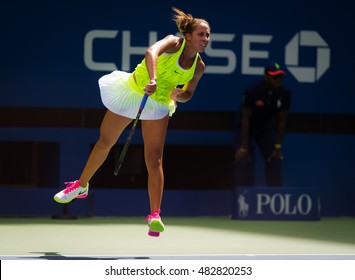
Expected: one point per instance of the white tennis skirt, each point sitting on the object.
(120, 98)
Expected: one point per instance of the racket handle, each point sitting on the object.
(144, 100)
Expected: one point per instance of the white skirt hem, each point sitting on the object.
(120, 99)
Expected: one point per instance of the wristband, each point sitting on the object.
(277, 146)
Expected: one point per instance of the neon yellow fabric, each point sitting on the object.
(169, 76)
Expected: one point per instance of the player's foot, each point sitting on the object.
(73, 190)
(155, 223)
(153, 233)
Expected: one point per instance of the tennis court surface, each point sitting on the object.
(183, 238)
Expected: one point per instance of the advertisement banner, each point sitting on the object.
(270, 203)
(52, 59)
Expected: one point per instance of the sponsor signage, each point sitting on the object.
(63, 61)
(270, 203)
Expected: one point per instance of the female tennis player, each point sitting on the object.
(169, 62)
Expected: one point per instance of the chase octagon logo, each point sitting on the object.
(292, 50)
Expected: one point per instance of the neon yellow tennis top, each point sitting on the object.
(169, 75)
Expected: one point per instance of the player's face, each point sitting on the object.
(200, 37)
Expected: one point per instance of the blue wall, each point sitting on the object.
(43, 49)
(49, 61)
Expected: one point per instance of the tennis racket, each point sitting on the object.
(119, 162)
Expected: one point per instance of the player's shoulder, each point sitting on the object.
(173, 39)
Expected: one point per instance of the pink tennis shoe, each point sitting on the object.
(155, 224)
(73, 190)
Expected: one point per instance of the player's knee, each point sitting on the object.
(105, 143)
(154, 161)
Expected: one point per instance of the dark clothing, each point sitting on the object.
(264, 105)
(244, 169)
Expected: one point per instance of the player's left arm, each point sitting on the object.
(185, 93)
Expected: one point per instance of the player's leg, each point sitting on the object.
(110, 130)
(154, 133)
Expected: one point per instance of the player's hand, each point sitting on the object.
(176, 94)
(151, 87)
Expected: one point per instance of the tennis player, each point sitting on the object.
(168, 63)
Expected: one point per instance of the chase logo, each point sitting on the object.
(302, 39)
(292, 50)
